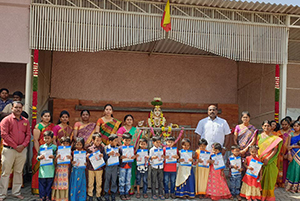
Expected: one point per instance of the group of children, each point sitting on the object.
(173, 180)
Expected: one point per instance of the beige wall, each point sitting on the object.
(122, 76)
(256, 91)
(12, 77)
(14, 34)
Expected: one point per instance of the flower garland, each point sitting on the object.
(164, 133)
(180, 135)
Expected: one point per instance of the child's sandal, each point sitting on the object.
(154, 197)
(138, 195)
(145, 195)
(161, 197)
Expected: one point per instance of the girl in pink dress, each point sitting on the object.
(217, 186)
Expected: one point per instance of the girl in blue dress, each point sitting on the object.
(78, 179)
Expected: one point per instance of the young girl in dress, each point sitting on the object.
(201, 172)
(251, 186)
(292, 182)
(217, 186)
(78, 179)
(60, 187)
(185, 179)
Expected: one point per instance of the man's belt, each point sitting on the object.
(7, 147)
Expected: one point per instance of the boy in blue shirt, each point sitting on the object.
(46, 172)
(125, 170)
(111, 171)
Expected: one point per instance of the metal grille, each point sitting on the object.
(112, 24)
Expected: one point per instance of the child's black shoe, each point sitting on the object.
(91, 198)
(106, 197)
(99, 199)
(113, 197)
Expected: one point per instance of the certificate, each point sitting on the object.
(159, 160)
(171, 151)
(64, 151)
(46, 151)
(113, 160)
(96, 161)
(80, 158)
(204, 156)
(219, 162)
(141, 160)
(128, 152)
(256, 165)
(186, 155)
(235, 161)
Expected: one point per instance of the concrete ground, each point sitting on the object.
(280, 193)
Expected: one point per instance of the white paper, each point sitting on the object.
(96, 161)
(113, 160)
(235, 161)
(186, 155)
(204, 156)
(64, 151)
(219, 162)
(256, 165)
(171, 151)
(159, 160)
(128, 152)
(141, 160)
(80, 158)
(46, 151)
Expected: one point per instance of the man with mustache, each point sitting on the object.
(213, 128)
(15, 132)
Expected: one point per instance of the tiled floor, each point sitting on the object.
(280, 193)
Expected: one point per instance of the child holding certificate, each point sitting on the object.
(170, 167)
(142, 168)
(157, 168)
(127, 157)
(46, 172)
(234, 163)
(111, 156)
(217, 186)
(251, 186)
(185, 180)
(78, 179)
(202, 157)
(95, 174)
(60, 188)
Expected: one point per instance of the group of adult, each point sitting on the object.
(275, 144)
(15, 131)
(106, 125)
(15, 137)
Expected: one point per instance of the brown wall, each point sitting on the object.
(122, 76)
(229, 111)
(293, 86)
(256, 91)
(12, 77)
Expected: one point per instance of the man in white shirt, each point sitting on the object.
(213, 128)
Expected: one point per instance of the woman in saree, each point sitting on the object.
(136, 135)
(84, 128)
(107, 125)
(275, 127)
(62, 129)
(282, 164)
(38, 140)
(269, 148)
(292, 182)
(245, 134)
